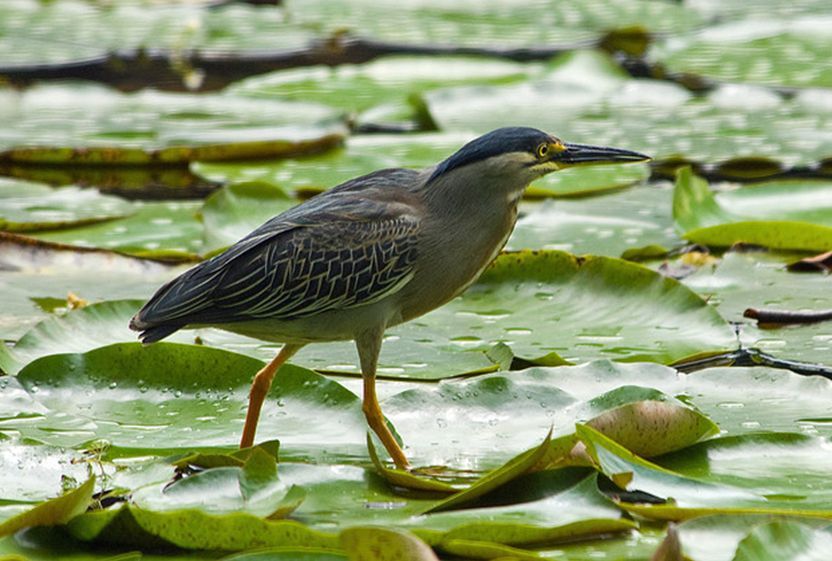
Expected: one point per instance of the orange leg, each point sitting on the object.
(259, 388)
(375, 418)
(369, 346)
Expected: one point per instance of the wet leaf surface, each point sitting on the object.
(780, 215)
(737, 90)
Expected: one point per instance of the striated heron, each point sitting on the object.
(368, 254)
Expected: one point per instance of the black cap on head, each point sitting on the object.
(494, 143)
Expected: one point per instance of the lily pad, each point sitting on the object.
(482, 422)
(53, 512)
(29, 30)
(739, 400)
(679, 497)
(85, 124)
(381, 544)
(193, 529)
(228, 214)
(185, 397)
(30, 269)
(761, 280)
(508, 23)
(780, 215)
(391, 79)
(161, 230)
(716, 537)
(364, 154)
(607, 224)
(772, 52)
(596, 104)
(27, 206)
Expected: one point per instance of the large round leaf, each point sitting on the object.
(595, 104)
(163, 230)
(780, 215)
(32, 33)
(761, 280)
(783, 52)
(186, 397)
(506, 23)
(26, 206)
(31, 272)
(367, 153)
(86, 124)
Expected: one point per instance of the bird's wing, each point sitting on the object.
(347, 249)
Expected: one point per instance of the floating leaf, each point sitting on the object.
(382, 544)
(86, 124)
(52, 512)
(782, 215)
(30, 269)
(193, 529)
(157, 230)
(235, 210)
(196, 394)
(27, 206)
(688, 497)
(786, 51)
(514, 468)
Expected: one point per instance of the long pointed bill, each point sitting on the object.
(582, 154)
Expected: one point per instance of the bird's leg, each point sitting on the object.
(369, 346)
(259, 388)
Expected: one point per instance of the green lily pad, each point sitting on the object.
(367, 153)
(784, 541)
(27, 206)
(193, 529)
(158, 230)
(84, 124)
(690, 497)
(381, 544)
(288, 554)
(716, 537)
(739, 400)
(607, 224)
(780, 215)
(586, 98)
(513, 469)
(358, 87)
(761, 280)
(32, 270)
(185, 397)
(508, 23)
(482, 422)
(765, 463)
(28, 30)
(771, 52)
(42, 467)
(53, 512)
(228, 214)
(253, 488)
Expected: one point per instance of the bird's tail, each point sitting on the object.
(151, 333)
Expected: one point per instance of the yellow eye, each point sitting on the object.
(542, 150)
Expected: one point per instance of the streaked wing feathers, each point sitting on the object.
(352, 246)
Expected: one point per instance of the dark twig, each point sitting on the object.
(782, 317)
(754, 357)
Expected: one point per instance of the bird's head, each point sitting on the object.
(525, 154)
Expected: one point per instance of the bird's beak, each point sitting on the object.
(581, 154)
